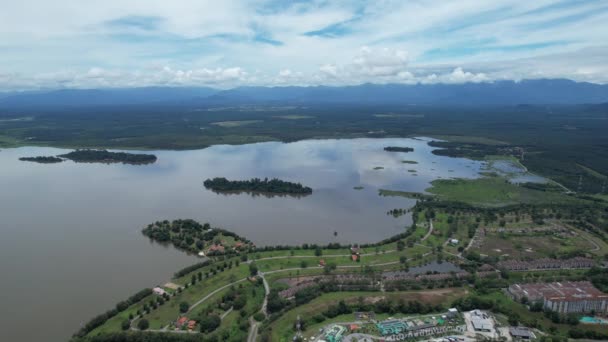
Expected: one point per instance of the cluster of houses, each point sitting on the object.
(219, 248)
(546, 264)
(184, 323)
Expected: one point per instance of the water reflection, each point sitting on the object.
(71, 241)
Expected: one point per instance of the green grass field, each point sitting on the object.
(493, 192)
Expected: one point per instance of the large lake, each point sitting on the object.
(71, 245)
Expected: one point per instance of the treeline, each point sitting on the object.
(104, 156)
(398, 149)
(544, 187)
(424, 283)
(42, 159)
(465, 150)
(272, 186)
(148, 337)
(191, 268)
(336, 245)
(121, 306)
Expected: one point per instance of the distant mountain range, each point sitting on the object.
(543, 91)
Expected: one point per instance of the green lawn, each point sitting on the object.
(493, 192)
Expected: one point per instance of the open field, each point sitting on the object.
(493, 192)
(531, 247)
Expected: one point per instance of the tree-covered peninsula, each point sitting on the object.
(104, 156)
(193, 237)
(42, 159)
(398, 149)
(256, 185)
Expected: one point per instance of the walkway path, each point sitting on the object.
(254, 325)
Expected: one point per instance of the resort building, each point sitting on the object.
(334, 333)
(564, 297)
(481, 321)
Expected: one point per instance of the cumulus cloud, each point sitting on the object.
(380, 62)
(458, 75)
(66, 43)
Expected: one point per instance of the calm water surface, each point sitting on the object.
(71, 245)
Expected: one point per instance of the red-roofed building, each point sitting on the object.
(321, 262)
(181, 321)
(354, 257)
(216, 249)
(191, 325)
(563, 297)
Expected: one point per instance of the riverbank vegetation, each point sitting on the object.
(398, 149)
(107, 157)
(257, 185)
(193, 237)
(42, 159)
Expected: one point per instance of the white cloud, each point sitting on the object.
(456, 76)
(384, 62)
(232, 42)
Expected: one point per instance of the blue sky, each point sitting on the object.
(111, 43)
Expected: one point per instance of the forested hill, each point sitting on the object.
(542, 91)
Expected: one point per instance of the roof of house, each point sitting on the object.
(520, 332)
(182, 320)
(559, 291)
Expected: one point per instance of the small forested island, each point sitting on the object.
(398, 149)
(42, 159)
(104, 156)
(193, 237)
(256, 185)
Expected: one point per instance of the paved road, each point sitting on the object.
(200, 301)
(426, 236)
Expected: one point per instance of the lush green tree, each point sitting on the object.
(143, 324)
(183, 307)
(209, 323)
(253, 269)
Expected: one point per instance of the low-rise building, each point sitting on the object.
(521, 333)
(481, 321)
(563, 297)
